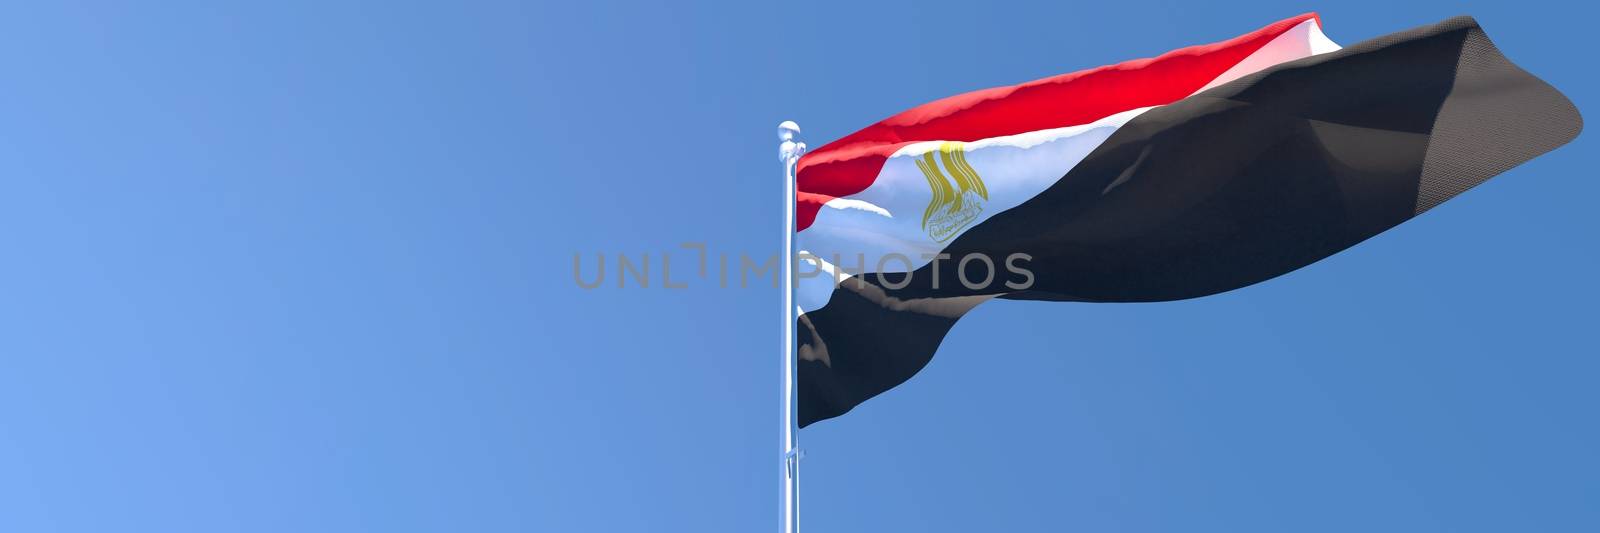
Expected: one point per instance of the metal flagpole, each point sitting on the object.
(789, 152)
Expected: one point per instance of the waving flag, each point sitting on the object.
(1200, 171)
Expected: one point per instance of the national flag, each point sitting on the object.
(1199, 171)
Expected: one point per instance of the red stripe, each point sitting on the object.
(849, 165)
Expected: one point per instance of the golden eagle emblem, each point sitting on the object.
(957, 199)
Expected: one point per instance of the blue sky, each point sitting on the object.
(306, 266)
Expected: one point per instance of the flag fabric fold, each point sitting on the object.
(1197, 172)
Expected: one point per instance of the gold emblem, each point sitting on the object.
(953, 207)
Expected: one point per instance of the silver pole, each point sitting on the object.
(789, 152)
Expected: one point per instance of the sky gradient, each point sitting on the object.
(307, 266)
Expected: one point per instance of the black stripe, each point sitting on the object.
(1242, 183)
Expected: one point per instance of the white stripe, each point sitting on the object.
(881, 228)
(888, 232)
(1303, 40)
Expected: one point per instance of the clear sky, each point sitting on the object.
(307, 266)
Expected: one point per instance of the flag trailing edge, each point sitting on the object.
(1199, 171)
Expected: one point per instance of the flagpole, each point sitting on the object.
(789, 152)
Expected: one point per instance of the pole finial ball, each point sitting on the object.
(788, 130)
